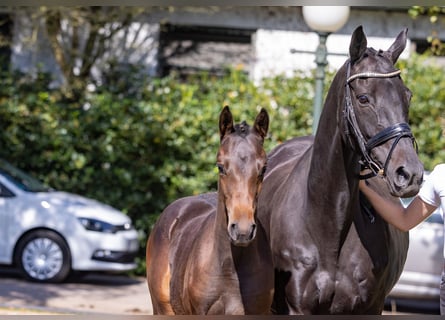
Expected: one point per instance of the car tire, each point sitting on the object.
(43, 256)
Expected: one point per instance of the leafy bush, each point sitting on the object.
(427, 112)
(140, 148)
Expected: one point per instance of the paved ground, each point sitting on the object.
(92, 294)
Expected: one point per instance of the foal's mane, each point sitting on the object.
(242, 129)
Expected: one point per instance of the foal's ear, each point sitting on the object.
(358, 44)
(225, 122)
(398, 46)
(262, 123)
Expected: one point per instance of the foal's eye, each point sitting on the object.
(363, 99)
(220, 168)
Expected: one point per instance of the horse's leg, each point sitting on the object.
(280, 303)
(158, 273)
(306, 287)
(295, 292)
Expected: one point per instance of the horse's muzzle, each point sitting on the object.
(406, 183)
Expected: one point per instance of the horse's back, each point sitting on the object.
(287, 154)
(170, 229)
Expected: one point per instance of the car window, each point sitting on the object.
(21, 179)
(5, 192)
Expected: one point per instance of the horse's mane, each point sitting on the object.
(372, 52)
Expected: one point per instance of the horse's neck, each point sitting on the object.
(334, 166)
(332, 178)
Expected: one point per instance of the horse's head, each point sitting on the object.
(241, 162)
(376, 114)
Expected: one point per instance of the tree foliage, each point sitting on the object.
(79, 37)
(427, 112)
(142, 148)
(435, 13)
(138, 148)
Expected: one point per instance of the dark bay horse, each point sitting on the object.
(207, 254)
(330, 256)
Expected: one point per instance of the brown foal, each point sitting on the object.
(208, 254)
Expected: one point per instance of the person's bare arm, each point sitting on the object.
(394, 213)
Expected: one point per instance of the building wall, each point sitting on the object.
(279, 30)
(283, 52)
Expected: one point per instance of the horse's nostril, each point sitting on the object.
(233, 231)
(403, 174)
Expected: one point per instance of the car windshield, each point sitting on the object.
(21, 179)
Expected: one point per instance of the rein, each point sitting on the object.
(396, 132)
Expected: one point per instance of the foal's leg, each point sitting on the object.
(163, 304)
(158, 273)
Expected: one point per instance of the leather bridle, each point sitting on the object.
(396, 131)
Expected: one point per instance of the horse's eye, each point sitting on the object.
(221, 168)
(363, 99)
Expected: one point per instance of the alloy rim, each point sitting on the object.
(42, 258)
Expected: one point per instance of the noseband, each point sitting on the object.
(396, 132)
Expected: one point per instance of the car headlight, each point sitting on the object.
(98, 225)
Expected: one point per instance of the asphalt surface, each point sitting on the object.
(102, 294)
(94, 293)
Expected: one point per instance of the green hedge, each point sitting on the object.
(140, 144)
(427, 111)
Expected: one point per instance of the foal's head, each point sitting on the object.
(241, 162)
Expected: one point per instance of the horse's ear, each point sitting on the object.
(398, 46)
(262, 123)
(358, 44)
(225, 122)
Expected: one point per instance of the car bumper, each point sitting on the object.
(98, 251)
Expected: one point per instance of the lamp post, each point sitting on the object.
(323, 20)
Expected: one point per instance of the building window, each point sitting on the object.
(191, 49)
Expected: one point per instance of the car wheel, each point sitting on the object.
(43, 256)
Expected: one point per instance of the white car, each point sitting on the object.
(47, 234)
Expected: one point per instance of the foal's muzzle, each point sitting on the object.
(242, 234)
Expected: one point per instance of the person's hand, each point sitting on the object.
(363, 185)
